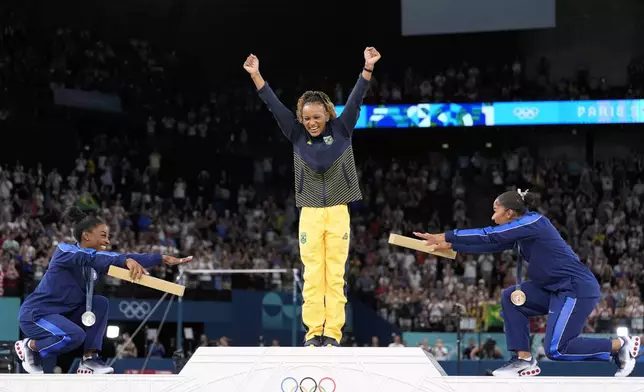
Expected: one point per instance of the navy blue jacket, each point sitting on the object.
(62, 289)
(318, 155)
(552, 264)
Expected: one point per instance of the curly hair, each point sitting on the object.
(315, 97)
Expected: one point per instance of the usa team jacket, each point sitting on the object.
(552, 264)
(62, 288)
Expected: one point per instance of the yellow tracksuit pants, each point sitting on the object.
(324, 249)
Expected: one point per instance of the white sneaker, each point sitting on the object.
(94, 365)
(31, 360)
(626, 357)
(517, 367)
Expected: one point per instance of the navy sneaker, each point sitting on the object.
(330, 342)
(313, 342)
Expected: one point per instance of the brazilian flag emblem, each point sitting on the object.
(492, 316)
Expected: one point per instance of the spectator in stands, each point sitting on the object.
(157, 350)
(203, 340)
(467, 352)
(397, 341)
(425, 345)
(487, 350)
(439, 351)
(126, 347)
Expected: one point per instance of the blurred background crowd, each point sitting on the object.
(195, 167)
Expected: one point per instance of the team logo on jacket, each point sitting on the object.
(328, 140)
(303, 238)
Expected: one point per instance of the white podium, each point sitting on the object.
(285, 368)
(301, 369)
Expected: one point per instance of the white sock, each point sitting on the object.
(527, 359)
(623, 342)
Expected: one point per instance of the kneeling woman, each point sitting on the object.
(560, 286)
(50, 317)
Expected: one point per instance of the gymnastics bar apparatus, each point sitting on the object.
(177, 289)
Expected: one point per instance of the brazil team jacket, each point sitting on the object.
(325, 169)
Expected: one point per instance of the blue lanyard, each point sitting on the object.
(519, 267)
(89, 275)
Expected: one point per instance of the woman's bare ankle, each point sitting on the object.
(524, 354)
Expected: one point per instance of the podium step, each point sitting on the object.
(284, 369)
(348, 367)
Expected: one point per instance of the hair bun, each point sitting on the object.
(530, 199)
(75, 214)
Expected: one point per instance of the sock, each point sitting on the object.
(527, 359)
(29, 347)
(623, 342)
(86, 357)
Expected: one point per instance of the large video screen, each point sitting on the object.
(426, 115)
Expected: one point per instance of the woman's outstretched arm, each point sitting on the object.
(349, 115)
(525, 227)
(283, 115)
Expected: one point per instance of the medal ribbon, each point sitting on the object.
(89, 288)
(519, 268)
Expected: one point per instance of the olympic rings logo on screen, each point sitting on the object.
(526, 113)
(137, 310)
(308, 384)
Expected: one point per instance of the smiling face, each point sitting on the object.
(98, 238)
(314, 110)
(314, 118)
